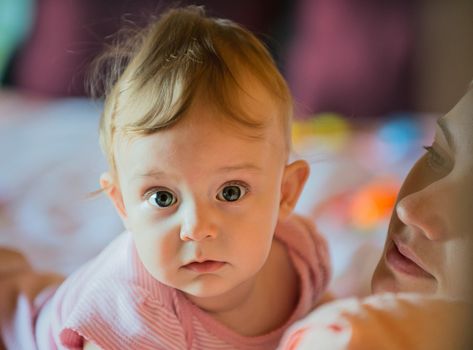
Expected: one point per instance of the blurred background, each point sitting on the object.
(356, 57)
(369, 78)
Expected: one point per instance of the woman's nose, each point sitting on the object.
(198, 225)
(426, 214)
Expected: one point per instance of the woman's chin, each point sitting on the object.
(384, 286)
(383, 280)
(386, 281)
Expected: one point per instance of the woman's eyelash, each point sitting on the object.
(428, 148)
(434, 159)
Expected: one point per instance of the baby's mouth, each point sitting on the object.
(206, 266)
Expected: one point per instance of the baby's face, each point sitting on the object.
(429, 247)
(202, 200)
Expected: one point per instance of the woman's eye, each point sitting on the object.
(162, 199)
(434, 159)
(231, 193)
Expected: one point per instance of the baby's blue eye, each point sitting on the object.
(162, 199)
(231, 193)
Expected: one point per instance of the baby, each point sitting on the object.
(196, 130)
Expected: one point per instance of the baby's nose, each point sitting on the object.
(198, 225)
(197, 234)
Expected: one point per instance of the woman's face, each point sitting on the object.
(429, 247)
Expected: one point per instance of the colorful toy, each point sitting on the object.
(373, 203)
(398, 137)
(329, 131)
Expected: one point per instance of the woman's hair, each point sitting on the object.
(152, 75)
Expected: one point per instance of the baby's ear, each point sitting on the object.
(110, 187)
(294, 178)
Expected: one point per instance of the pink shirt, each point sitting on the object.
(115, 303)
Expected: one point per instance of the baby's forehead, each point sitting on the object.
(211, 123)
(203, 150)
(252, 114)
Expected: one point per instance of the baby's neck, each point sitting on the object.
(262, 304)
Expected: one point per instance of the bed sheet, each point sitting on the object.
(51, 161)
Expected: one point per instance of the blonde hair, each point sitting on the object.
(156, 72)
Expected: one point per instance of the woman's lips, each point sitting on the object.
(206, 266)
(403, 261)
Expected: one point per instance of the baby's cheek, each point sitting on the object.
(166, 248)
(157, 250)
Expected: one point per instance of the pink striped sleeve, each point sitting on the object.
(107, 302)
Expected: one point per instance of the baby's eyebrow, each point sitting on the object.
(149, 173)
(244, 166)
(157, 174)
